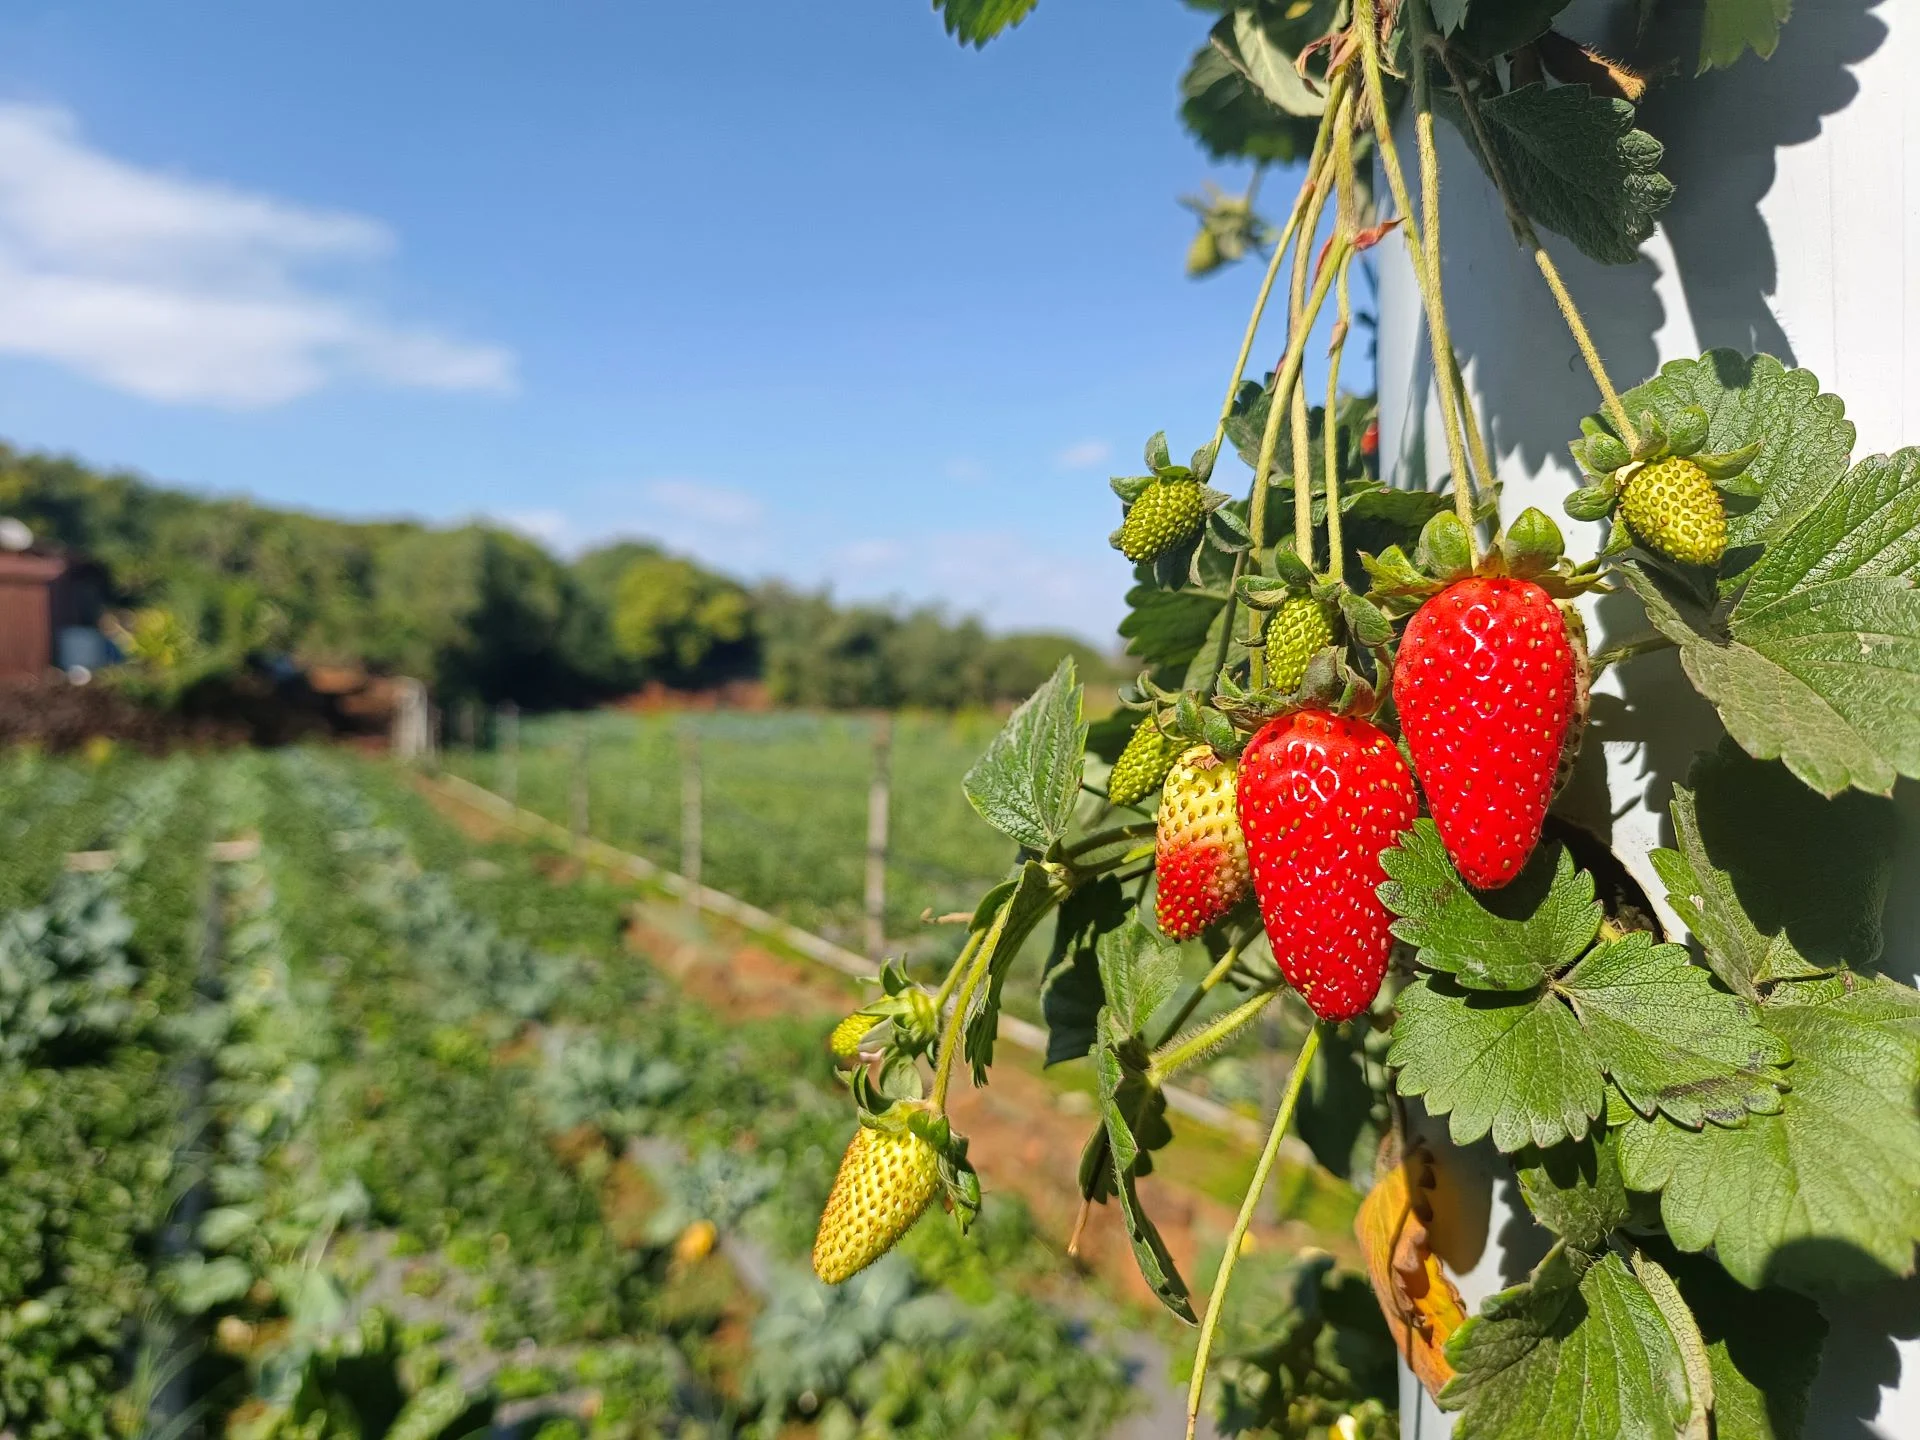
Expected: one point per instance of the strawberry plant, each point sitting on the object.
(1707, 1098)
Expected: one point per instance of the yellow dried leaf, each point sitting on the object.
(1421, 1306)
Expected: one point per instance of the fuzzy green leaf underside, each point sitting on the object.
(1826, 1190)
(1567, 1353)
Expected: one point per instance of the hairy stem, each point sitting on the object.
(1439, 341)
(958, 969)
(1330, 428)
(957, 1017)
(1217, 1298)
(1174, 1057)
(1647, 644)
(1311, 182)
(1288, 377)
(1524, 232)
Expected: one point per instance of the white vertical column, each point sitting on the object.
(1795, 230)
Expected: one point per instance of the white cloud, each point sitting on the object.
(707, 504)
(186, 291)
(1084, 455)
(550, 527)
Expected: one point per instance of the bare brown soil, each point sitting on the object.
(1026, 1130)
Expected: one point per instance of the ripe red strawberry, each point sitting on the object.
(1320, 797)
(1199, 853)
(1485, 688)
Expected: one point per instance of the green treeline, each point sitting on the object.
(207, 586)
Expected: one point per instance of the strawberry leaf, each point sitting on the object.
(1139, 971)
(1071, 993)
(1763, 1348)
(1574, 163)
(1165, 629)
(1818, 660)
(974, 22)
(1805, 436)
(1579, 1349)
(1530, 1067)
(1026, 783)
(1670, 1040)
(1516, 1066)
(1730, 28)
(1031, 895)
(1825, 1192)
(1575, 1190)
(1457, 933)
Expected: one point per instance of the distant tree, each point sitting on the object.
(670, 617)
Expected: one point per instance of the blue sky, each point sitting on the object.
(807, 291)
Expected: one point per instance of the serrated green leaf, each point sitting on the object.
(1139, 970)
(1529, 1070)
(1548, 915)
(1805, 436)
(1498, 27)
(1867, 524)
(1669, 1039)
(1033, 894)
(1827, 1191)
(1730, 28)
(974, 22)
(1824, 679)
(1026, 783)
(1763, 1347)
(1230, 118)
(1261, 56)
(1164, 629)
(1574, 163)
(1070, 991)
(1781, 882)
(1578, 1350)
(1575, 1190)
(1516, 1066)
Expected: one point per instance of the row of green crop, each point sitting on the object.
(94, 968)
(358, 1133)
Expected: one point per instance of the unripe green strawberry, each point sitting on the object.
(1300, 629)
(1673, 507)
(847, 1035)
(1166, 516)
(1150, 753)
(1200, 855)
(887, 1178)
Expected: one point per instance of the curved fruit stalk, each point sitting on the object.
(1485, 686)
(887, 1178)
(1199, 852)
(1320, 797)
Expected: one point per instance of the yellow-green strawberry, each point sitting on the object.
(1167, 514)
(1300, 629)
(1150, 753)
(1200, 854)
(1672, 506)
(887, 1178)
(845, 1040)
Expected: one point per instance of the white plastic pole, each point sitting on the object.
(1795, 230)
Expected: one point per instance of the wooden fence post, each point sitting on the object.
(581, 816)
(690, 802)
(509, 762)
(878, 804)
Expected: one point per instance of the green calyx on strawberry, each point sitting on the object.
(1531, 548)
(1320, 796)
(903, 1008)
(1168, 510)
(1667, 490)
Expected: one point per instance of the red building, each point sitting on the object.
(40, 595)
